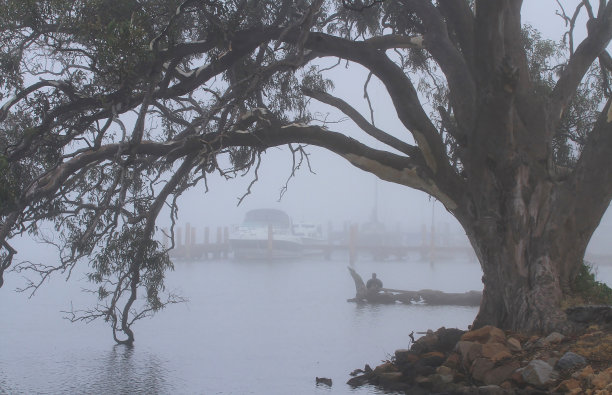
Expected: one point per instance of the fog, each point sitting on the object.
(335, 190)
(237, 330)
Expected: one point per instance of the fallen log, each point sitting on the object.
(428, 297)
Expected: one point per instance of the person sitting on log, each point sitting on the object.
(374, 284)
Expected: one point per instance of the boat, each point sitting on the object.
(311, 234)
(266, 234)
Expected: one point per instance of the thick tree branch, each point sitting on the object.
(462, 87)
(591, 182)
(461, 19)
(400, 88)
(366, 126)
(599, 35)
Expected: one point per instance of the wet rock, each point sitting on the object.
(445, 370)
(405, 356)
(537, 373)
(425, 344)
(453, 361)
(485, 334)
(447, 338)
(469, 351)
(433, 359)
(487, 372)
(424, 382)
(480, 368)
(514, 345)
(423, 370)
(499, 374)
(495, 351)
(570, 361)
(390, 377)
(356, 372)
(384, 368)
(358, 381)
(441, 381)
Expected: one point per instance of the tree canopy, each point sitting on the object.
(112, 108)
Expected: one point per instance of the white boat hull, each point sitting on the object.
(258, 244)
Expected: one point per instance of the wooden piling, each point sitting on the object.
(188, 240)
(353, 244)
(219, 241)
(225, 242)
(206, 242)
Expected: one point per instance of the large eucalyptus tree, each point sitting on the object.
(112, 108)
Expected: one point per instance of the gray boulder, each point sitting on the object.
(570, 360)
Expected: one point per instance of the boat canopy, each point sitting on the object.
(267, 216)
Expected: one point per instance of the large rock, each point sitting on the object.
(514, 344)
(447, 338)
(405, 356)
(538, 373)
(442, 340)
(480, 368)
(495, 351)
(553, 338)
(570, 361)
(501, 373)
(433, 359)
(487, 372)
(425, 344)
(486, 334)
(384, 368)
(469, 351)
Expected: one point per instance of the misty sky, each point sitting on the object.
(338, 191)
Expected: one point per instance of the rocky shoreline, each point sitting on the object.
(491, 361)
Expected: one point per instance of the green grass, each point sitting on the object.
(587, 288)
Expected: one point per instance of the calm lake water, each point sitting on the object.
(248, 328)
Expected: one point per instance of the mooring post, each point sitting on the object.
(423, 241)
(206, 242)
(219, 241)
(225, 242)
(353, 244)
(330, 232)
(188, 240)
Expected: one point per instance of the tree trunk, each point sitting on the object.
(530, 247)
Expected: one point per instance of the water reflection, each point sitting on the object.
(129, 371)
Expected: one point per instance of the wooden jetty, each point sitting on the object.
(390, 245)
(191, 249)
(425, 296)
